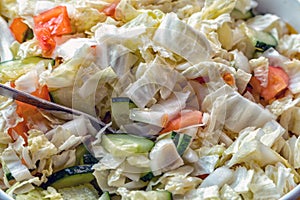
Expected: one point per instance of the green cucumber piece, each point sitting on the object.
(147, 177)
(13, 69)
(79, 153)
(85, 191)
(261, 40)
(62, 96)
(182, 142)
(237, 14)
(71, 176)
(89, 159)
(120, 108)
(126, 144)
(83, 156)
(105, 196)
(150, 195)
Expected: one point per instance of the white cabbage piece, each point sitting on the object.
(242, 179)
(115, 178)
(289, 45)
(125, 11)
(28, 82)
(242, 79)
(23, 187)
(292, 68)
(260, 67)
(264, 22)
(272, 131)
(189, 156)
(190, 44)
(244, 5)
(64, 160)
(50, 193)
(219, 177)
(64, 75)
(161, 112)
(158, 75)
(22, 150)
(279, 106)
(206, 164)
(207, 193)
(177, 181)
(263, 187)
(291, 120)
(101, 174)
(231, 103)
(282, 177)
(290, 151)
(275, 58)
(13, 163)
(241, 61)
(248, 148)
(213, 9)
(68, 49)
(164, 157)
(227, 192)
(8, 39)
(141, 129)
(39, 146)
(208, 157)
(116, 56)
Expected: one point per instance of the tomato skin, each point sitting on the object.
(29, 113)
(51, 23)
(183, 120)
(278, 80)
(56, 20)
(111, 9)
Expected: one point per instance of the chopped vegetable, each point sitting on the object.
(21, 30)
(183, 120)
(278, 80)
(111, 9)
(51, 23)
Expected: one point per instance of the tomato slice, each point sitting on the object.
(51, 23)
(183, 120)
(111, 9)
(278, 81)
(29, 113)
(56, 20)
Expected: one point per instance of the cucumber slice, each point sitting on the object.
(13, 69)
(147, 177)
(71, 176)
(89, 159)
(182, 142)
(237, 14)
(62, 96)
(261, 40)
(120, 107)
(83, 156)
(84, 191)
(105, 196)
(126, 144)
(149, 195)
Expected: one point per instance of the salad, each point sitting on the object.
(203, 96)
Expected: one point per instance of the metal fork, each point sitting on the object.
(50, 106)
